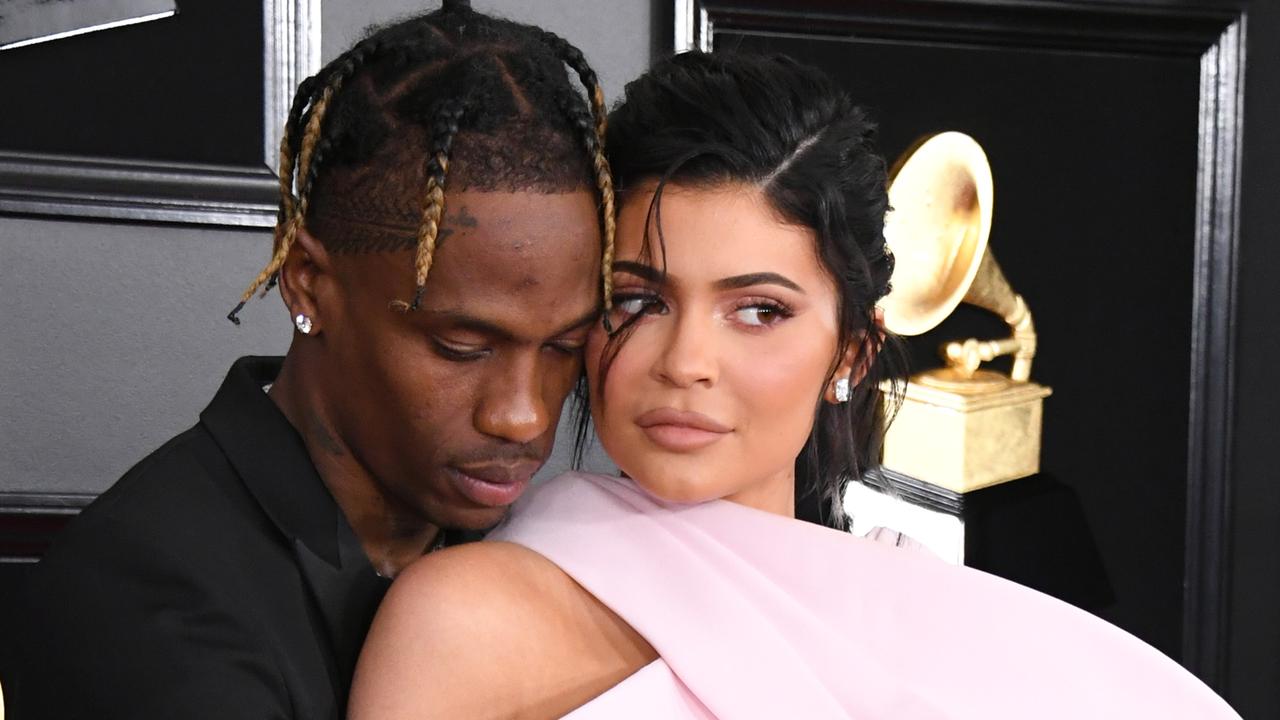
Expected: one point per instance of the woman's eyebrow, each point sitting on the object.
(640, 270)
(738, 282)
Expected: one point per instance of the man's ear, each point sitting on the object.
(857, 359)
(305, 267)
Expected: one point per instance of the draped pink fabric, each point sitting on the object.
(760, 616)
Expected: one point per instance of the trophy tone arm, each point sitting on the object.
(991, 291)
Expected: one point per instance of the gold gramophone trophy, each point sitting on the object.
(960, 427)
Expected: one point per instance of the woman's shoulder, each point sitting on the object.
(574, 485)
(489, 626)
(574, 503)
(495, 575)
(476, 595)
(489, 573)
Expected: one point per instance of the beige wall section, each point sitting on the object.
(113, 337)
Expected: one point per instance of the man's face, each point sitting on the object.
(452, 408)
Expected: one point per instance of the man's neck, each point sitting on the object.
(391, 534)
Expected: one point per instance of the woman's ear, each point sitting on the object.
(856, 363)
(306, 265)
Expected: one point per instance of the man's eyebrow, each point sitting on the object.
(738, 282)
(463, 321)
(583, 320)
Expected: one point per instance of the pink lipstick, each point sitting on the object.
(680, 430)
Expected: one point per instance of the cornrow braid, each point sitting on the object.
(287, 203)
(287, 231)
(370, 128)
(574, 58)
(310, 104)
(304, 97)
(446, 127)
(314, 144)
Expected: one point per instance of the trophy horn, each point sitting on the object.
(941, 195)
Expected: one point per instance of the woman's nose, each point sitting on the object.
(687, 355)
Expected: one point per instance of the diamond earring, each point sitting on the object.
(303, 323)
(842, 390)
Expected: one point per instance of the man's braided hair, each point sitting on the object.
(451, 96)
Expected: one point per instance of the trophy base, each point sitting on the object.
(965, 435)
(1033, 532)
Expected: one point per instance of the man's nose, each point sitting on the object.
(513, 408)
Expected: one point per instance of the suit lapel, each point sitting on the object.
(273, 463)
(347, 596)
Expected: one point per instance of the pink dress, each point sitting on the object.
(760, 616)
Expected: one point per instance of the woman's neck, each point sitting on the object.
(775, 494)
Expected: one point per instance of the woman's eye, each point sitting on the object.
(761, 314)
(628, 305)
(632, 306)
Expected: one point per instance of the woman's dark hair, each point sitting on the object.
(452, 97)
(701, 120)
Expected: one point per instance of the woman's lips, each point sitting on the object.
(680, 430)
(490, 487)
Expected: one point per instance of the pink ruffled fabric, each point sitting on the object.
(760, 616)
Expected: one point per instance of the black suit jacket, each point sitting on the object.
(217, 579)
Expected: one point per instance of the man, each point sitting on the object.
(441, 262)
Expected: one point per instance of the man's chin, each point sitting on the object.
(474, 519)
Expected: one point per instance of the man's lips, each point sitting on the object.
(492, 485)
(680, 430)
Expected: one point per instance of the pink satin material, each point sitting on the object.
(760, 616)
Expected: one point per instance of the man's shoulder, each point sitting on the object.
(184, 463)
(178, 505)
(174, 589)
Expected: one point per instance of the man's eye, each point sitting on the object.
(458, 352)
(568, 348)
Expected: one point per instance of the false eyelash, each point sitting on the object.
(782, 309)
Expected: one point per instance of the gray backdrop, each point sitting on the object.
(113, 336)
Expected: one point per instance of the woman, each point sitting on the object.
(741, 356)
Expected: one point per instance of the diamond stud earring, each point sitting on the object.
(842, 390)
(303, 323)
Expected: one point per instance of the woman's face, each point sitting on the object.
(714, 393)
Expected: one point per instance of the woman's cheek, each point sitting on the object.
(777, 379)
(613, 395)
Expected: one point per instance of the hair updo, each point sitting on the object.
(703, 120)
